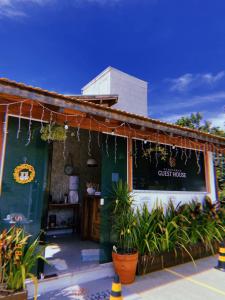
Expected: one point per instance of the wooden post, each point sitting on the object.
(130, 164)
(2, 119)
(207, 172)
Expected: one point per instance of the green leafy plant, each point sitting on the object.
(18, 257)
(53, 132)
(169, 229)
(123, 219)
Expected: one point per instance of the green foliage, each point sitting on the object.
(53, 132)
(123, 218)
(195, 121)
(161, 230)
(17, 258)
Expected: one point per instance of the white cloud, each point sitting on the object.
(188, 81)
(178, 104)
(218, 120)
(15, 8)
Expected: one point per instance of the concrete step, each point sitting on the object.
(65, 280)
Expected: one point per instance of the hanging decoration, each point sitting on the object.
(135, 153)
(5, 121)
(29, 126)
(24, 173)
(99, 137)
(161, 152)
(115, 149)
(106, 145)
(52, 132)
(197, 154)
(19, 121)
(89, 140)
(185, 152)
(42, 117)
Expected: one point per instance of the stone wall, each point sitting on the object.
(79, 152)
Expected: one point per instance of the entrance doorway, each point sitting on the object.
(73, 209)
(78, 210)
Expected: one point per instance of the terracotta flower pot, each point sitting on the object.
(125, 266)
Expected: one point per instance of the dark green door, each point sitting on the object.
(114, 168)
(25, 200)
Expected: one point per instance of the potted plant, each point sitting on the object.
(18, 258)
(53, 132)
(124, 253)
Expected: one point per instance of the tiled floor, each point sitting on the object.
(64, 254)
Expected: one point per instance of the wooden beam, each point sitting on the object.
(90, 108)
(99, 124)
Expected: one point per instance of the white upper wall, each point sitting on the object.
(132, 91)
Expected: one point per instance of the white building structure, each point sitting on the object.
(132, 92)
(132, 97)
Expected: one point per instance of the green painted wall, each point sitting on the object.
(113, 168)
(26, 199)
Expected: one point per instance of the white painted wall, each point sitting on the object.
(151, 197)
(132, 91)
(100, 85)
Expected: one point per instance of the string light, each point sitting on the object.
(50, 127)
(66, 126)
(135, 152)
(156, 156)
(124, 124)
(115, 149)
(106, 145)
(64, 146)
(98, 136)
(185, 152)
(197, 154)
(150, 152)
(29, 126)
(78, 133)
(19, 121)
(5, 121)
(89, 140)
(42, 117)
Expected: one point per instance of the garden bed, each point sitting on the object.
(151, 263)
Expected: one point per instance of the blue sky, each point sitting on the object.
(178, 46)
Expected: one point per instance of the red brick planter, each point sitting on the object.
(151, 263)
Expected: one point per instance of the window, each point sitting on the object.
(160, 167)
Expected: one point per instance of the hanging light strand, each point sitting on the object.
(89, 140)
(6, 120)
(19, 121)
(106, 145)
(42, 117)
(50, 127)
(99, 137)
(29, 126)
(115, 149)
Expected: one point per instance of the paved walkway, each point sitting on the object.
(177, 283)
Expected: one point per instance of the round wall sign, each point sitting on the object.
(24, 173)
